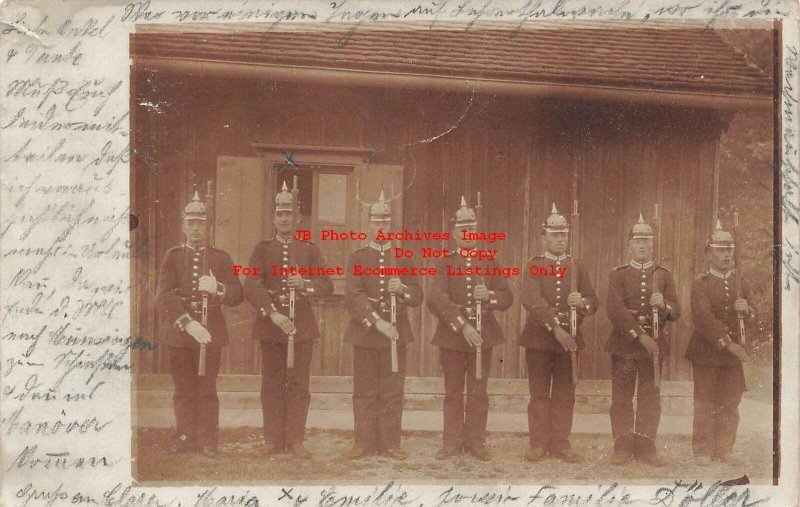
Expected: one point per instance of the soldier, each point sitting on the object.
(454, 301)
(631, 299)
(179, 295)
(548, 343)
(377, 391)
(716, 352)
(285, 394)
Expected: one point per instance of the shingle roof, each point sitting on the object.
(690, 60)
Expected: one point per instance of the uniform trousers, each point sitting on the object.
(552, 399)
(195, 398)
(378, 397)
(717, 393)
(465, 428)
(285, 392)
(634, 434)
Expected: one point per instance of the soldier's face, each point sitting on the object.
(195, 231)
(641, 249)
(283, 223)
(556, 242)
(721, 258)
(459, 235)
(374, 227)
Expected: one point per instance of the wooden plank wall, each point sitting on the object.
(517, 152)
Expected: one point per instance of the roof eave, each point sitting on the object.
(384, 79)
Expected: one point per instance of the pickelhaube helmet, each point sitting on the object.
(380, 210)
(465, 215)
(195, 210)
(556, 222)
(642, 230)
(283, 199)
(720, 238)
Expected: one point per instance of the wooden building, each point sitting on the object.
(430, 115)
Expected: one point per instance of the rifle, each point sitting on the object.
(393, 304)
(201, 367)
(292, 262)
(736, 265)
(478, 305)
(573, 279)
(656, 260)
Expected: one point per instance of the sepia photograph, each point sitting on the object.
(450, 253)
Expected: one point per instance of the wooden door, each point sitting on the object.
(243, 192)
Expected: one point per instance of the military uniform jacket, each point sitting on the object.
(178, 294)
(628, 308)
(367, 298)
(545, 299)
(268, 292)
(451, 301)
(714, 319)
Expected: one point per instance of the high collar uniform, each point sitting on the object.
(377, 391)
(451, 299)
(718, 375)
(268, 292)
(178, 294)
(628, 307)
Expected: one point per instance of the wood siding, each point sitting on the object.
(519, 153)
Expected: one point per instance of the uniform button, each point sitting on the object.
(469, 287)
(285, 266)
(195, 273)
(380, 260)
(469, 278)
(285, 258)
(469, 294)
(383, 281)
(194, 289)
(643, 284)
(558, 288)
(558, 282)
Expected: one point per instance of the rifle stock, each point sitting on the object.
(573, 279)
(655, 317)
(393, 305)
(478, 303)
(736, 267)
(292, 262)
(201, 366)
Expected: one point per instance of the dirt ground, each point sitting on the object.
(240, 462)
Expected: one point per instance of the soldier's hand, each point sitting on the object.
(198, 332)
(208, 283)
(649, 344)
(565, 339)
(481, 293)
(283, 322)
(575, 299)
(395, 286)
(657, 299)
(387, 329)
(738, 351)
(741, 306)
(295, 281)
(471, 335)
